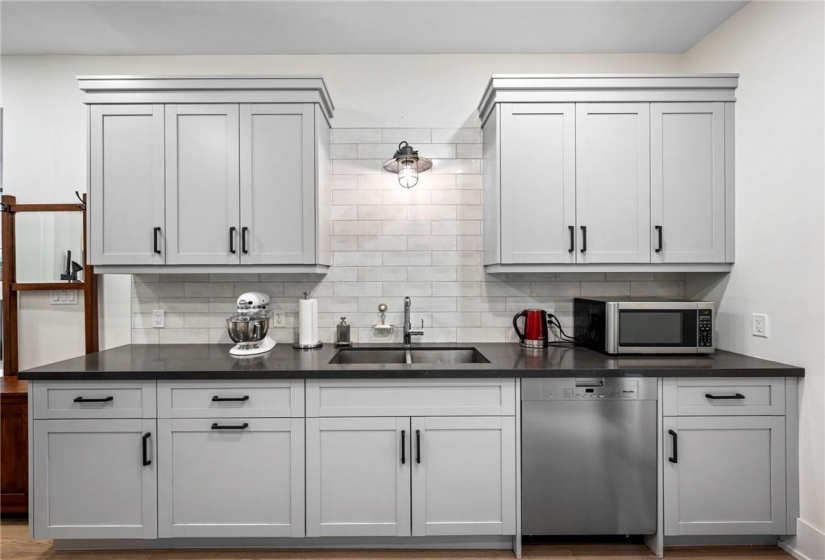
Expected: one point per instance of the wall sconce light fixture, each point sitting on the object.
(407, 164)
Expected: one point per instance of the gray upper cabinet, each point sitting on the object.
(202, 172)
(202, 180)
(126, 152)
(608, 173)
(687, 177)
(613, 182)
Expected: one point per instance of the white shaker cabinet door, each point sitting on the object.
(358, 477)
(231, 477)
(724, 475)
(202, 184)
(687, 182)
(613, 182)
(464, 476)
(94, 479)
(538, 183)
(277, 183)
(126, 185)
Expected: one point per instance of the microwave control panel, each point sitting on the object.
(705, 328)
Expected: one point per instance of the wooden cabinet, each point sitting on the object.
(358, 477)
(14, 447)
(126, 185)
(724, 475)
(95, 479)
(687, 175)
(209, 173)
(231, 477)
(608, 173)
(384, 475)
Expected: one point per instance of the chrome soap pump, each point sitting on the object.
(342, 334)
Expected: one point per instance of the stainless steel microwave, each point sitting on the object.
(649, 326)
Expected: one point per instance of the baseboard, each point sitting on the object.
(807, 544)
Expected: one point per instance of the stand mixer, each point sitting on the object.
(249, 326)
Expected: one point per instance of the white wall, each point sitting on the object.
(779, 50)
(45, 130)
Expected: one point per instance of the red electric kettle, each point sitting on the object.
(535, 328)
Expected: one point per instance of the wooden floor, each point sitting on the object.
(15, 545)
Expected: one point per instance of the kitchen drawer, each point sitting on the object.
(227, 399)
(93, 399)
(411, 397)
(734, 396)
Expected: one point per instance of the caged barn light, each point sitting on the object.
(407, 164)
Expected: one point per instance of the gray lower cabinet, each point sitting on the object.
(231, 477)
(397, 476)
(94, 479)
(724, 475)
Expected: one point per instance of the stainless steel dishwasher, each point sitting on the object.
(588, 456)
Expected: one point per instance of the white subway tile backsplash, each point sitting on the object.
(387, 243)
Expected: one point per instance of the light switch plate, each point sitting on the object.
(63, 297)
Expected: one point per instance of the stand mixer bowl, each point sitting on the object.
(247, 328)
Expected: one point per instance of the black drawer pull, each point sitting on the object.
(403, 447)
(244, 231)
(584, 239)
(217, 426)
(156, 247)
(84, 399)
(737, 396)
(659, 248)
(572, 231)
(216, 398)
(675, 457)
(418, 446)
(146, 460)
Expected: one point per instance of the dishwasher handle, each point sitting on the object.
(675, 437)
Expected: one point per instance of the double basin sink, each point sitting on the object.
(409, 355)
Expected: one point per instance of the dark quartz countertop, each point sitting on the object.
(212, 361)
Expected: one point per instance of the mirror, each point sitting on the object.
(43, 240)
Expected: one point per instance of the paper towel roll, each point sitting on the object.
(307, 322)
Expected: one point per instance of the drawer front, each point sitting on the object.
(411, 397)
(731, 396)
(55, 400)
(228, 399)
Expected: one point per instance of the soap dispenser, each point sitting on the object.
(342, 334)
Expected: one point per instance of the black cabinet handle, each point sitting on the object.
(418, 446)
(146, 460)
(584, 238)
(737, 396)
(244, 231)
(572, 231)
(156, 233)
(84, 399)
(675, 437)
(216, 398)
(659, 230)
(217, 426)
(232, 239)
(403, 447)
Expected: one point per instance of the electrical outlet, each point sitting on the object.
(278, 319)
(759, 325)
(157, 319)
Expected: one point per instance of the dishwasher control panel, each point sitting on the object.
(607, 388)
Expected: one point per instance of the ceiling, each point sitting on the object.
(197, 27)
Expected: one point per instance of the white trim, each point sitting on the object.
(213, 269)
(808, 544)
(614, 267)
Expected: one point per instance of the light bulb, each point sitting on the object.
(408, 173)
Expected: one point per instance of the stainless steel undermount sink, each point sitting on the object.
(412, 355)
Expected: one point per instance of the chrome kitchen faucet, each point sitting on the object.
(408, 332)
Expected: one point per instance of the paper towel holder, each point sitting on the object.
(297, 345)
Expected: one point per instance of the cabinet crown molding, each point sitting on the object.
(606, 88)
(207, 89)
